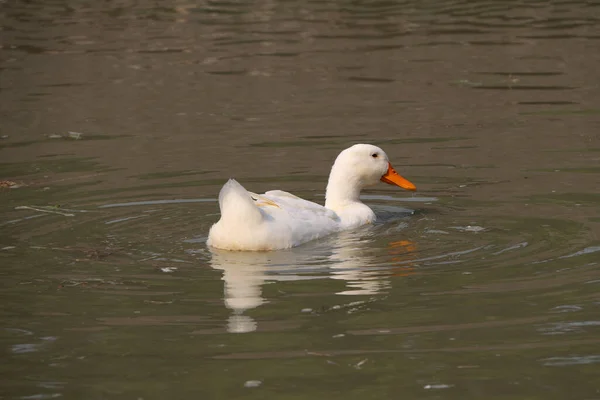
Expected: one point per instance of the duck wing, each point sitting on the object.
(295, 206)
(274, 220)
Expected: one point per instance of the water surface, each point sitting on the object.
(122, 120)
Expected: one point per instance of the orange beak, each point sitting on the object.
(391, 177)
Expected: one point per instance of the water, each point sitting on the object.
(121, 121)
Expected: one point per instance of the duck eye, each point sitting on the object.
(374, 155)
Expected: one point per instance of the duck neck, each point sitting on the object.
(342, 191)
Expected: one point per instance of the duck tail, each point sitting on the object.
(237, 205)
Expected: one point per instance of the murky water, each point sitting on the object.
(121, 120)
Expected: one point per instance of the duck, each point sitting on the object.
(279, 220)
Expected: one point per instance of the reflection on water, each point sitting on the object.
(243, 276)
(361, 272)
(348, 256)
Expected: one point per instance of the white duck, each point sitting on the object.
(280, 220)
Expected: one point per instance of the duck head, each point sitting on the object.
(357, 167)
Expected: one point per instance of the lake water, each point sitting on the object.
(121, 120)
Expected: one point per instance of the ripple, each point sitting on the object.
(155, 202)
(575, 360)
(567, 327)
(524, 87)
(331, 352)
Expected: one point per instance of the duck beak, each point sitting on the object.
(391, 177)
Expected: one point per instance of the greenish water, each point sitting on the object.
(484, 284)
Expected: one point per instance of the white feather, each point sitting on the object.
(279, 220)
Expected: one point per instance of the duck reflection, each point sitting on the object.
(354, 257)
(364, 273)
